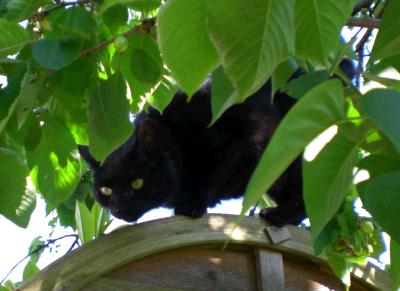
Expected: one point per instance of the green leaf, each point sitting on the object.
(141, 5)
(144, 5)
(387, 41)
(163, 94)
(380, 198)
(296, 88)
(395, 264)
(282, 74)
(72, 98)
(58, 138)
(8, 97)
(28, 96)
(30, 269)
(27, 206)
(55, 54)
(320, 108)
(116, 18)
(381, 105)
(123, 63)
(108, 111)
(101, 219)
(55, 167)
(252, 40)
(13, 173)
(223, 94)
(376, 165)
(327, 180)
(36, 248)
(185, 44)
(318, 26)
(9, 285)
(340, 267)
(66, 216)
(22, 9)
(73, 22)
(84, 223)
(12, 38)
(145, 69)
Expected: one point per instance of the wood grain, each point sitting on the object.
(107, 253)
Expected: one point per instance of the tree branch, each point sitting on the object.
(364, 22)
(46, 12)
(39, 248)
(145, 26)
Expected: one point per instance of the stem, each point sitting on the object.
(38, 249)
(146, 25)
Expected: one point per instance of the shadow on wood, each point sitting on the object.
(180, 253)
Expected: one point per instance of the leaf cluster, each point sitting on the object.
(78, 71)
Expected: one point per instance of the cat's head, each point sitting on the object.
(138, 176)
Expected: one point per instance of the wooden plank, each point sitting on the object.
(189, 269)
(270, 270)
(98, 257)
(277, 234)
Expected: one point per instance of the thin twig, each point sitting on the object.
(38, 249)
(360, 5)
(146, 25)
(364, 22)
(46, 12)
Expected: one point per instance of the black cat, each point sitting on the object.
(175, 160)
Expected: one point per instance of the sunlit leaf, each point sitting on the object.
(327, 180)
(185, 44)
(251, 44)
(320, 108)
(381, 105)
(318, 26)
(84, 223)
(13, 173)
(163, 94)
(30, 269)
(340, 266)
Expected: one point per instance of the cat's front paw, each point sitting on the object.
(273, 216)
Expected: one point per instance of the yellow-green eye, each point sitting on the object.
(106, 191)
(137, 184)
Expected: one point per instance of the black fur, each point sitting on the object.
(188, 166)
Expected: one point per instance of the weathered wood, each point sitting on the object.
(188, 269)
(277, 234)
(270, 270)
(98, 257)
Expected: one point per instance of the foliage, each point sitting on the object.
(76, 72)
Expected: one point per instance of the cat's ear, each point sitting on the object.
(146, 134)
(85, 154)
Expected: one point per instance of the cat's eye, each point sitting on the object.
(137, 184)
(106, 191)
